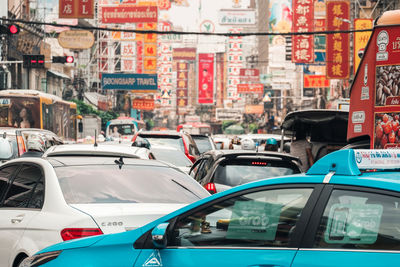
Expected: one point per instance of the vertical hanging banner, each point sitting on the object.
(206, 79)
(360, 39)
(76, 9)
(303, 21)
(338, 44)
(182, 84)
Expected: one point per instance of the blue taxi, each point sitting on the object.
(345, 211)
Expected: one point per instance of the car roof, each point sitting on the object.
(161, 133)
(234, 153)
(92, 150)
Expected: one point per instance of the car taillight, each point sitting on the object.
(210, 187)
(192, 159)
(73, 233)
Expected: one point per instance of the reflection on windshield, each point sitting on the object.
(172, 156)
(233, 175)
(131, 184)
(117, 130)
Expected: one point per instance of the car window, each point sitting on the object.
(175, 142)
(26, 190)
(128, 184)
(264, 218)
(203, 143)
(237, 172)
(5, 176)
(204, 168)
(193, 149)
(360, 220)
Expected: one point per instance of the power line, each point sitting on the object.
(226, 34)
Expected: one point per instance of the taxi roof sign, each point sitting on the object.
(350, 162)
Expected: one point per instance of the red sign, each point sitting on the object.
(315, 81)
(128, 14)
(79, 9)
(250, 88)
(303, 21)
(338, 44)
(206, 79)
(249, 75)
(143, 104)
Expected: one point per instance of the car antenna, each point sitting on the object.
(95, 139)
(120, 162)
(4, 135)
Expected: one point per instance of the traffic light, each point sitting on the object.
(63, 60)
(9, 29)
(33, 61)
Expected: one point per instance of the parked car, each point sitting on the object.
(204, 142)
(220, 170)
(173, 156)
(102, 149)
(44, 201)
(179, 140)
(19, 138)
(338, 214)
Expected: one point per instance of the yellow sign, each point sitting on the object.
(360, 39)
(73, 39)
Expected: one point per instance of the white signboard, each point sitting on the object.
(228, 114)
(237, 17)
(377, 158)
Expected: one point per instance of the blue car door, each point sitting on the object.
(353, 227)
(257, 227)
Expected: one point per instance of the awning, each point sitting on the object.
(59, 74)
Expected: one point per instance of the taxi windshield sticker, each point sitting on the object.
(254, 220)
(353, 223)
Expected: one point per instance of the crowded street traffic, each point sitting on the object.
(200, 133)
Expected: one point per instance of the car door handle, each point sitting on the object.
(18, 219)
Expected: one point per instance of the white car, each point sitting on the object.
(102, 149)
(44, 201)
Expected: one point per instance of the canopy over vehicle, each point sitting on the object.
(321, 125)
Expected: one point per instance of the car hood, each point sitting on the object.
(115, 218)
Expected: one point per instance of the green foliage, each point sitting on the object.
(226, 124)
(86, 109)
(253, 127)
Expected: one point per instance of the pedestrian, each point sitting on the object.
(301, 147)
(271, 145)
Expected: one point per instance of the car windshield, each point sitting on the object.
(131, 184)
(203, 143)
(122, 129)
(245, 171)
(172, 141)
(172, 156)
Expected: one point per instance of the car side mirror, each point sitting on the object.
(159, 235)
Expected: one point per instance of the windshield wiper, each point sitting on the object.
(184, 187)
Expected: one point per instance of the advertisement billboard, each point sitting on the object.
(360, 39)
(206, 79)
(128, 14)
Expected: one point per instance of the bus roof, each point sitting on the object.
(35, 93)
(391, 17)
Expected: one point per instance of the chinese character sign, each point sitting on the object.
(76, 9)
(206, 79)
(360, 39)
(338, 44)
(303, 21)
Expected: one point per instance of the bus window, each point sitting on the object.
(20, 112)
